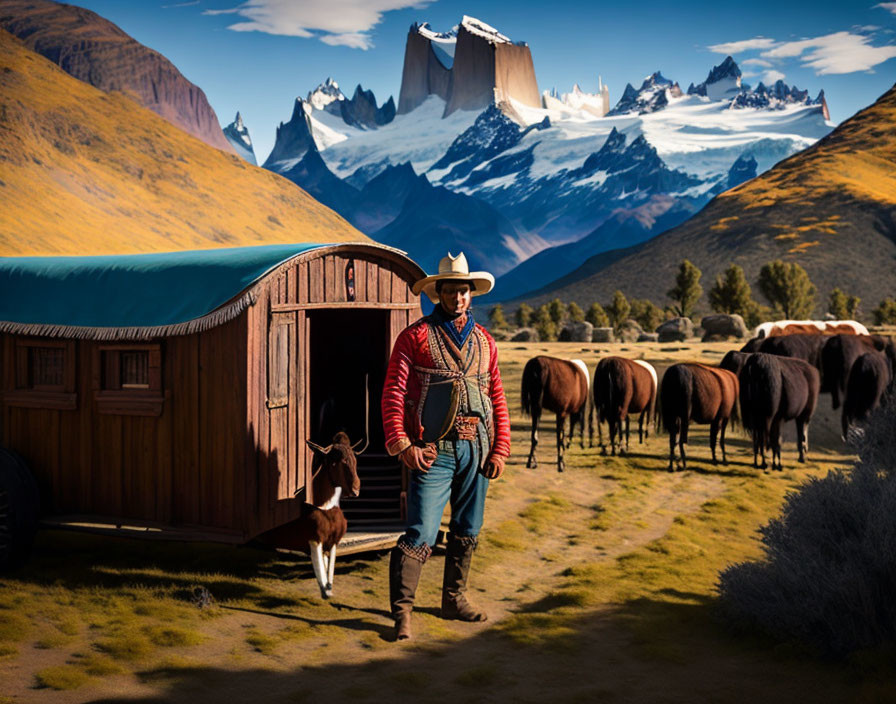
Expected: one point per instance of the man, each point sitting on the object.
(445, 416)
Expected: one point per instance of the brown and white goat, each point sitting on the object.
(322, 524)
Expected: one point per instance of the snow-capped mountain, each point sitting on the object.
(654, 94)
(722, 83)
(553, 169)
(238, 136)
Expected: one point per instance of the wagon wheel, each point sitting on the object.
(19, 509)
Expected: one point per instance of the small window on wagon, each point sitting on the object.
(44, 375)
(128, 379)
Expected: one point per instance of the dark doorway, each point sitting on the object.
(345, 346)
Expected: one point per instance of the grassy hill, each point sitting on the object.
(831, 208)
(88, 172)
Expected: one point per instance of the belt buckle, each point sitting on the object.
(465, 427)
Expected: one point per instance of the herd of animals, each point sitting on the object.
(776, 377)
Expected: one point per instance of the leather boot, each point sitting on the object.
(458, 555)
(404, 574)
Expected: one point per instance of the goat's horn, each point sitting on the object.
(318, 448)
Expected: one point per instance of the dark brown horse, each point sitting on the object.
(837, 357)
(774, 389)
(699, 393)
(322, 524)
(840, 353)
(803, 346)
(871, 376)
(558, 385)
(622, 387)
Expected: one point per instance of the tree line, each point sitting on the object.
(785, 285)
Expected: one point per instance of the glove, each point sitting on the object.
(419, 458)
(494, 467)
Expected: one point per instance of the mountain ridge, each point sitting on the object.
(831, 208)
(90, 172)
(96, 51)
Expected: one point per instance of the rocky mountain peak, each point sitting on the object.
(478, 67)
(238, 135)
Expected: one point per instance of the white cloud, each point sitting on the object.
(772, 76)
(841, 52)
(757, 62)
(889, 6)
(743, 45)
(340, 22)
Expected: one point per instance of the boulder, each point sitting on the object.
(500, 335)
(577, 332)
(603, 335)
(630, 331)
(722, 327)
(648, 337)
(526, 335)
(675, 330)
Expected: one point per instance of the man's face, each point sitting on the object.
(455, 297)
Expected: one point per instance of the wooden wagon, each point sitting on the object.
(171, 395)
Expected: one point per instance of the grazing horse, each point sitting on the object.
(837, 357)
(798, 346)
(621, 387)
(871, 375)
(558, 385)
(700, 393)
(322, 525)
(774, 389)
(734, 361)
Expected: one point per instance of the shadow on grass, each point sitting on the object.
(81, 561)
(670, 647)
(352, 624)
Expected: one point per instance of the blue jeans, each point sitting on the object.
(453, 476)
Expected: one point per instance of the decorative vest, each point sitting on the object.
(457, 384)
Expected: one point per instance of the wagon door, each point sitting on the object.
(287, 362)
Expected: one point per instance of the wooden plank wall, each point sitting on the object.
(178, 468)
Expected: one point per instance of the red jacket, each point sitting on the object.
(402, 391)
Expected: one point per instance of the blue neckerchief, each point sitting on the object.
(447, 324)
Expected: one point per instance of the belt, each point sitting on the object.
(464, 428)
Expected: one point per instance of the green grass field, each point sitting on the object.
(599, 582)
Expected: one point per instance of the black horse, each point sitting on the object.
(774, 389)
(872, 374)
(803, 346)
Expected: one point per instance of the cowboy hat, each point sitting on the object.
(455, 269)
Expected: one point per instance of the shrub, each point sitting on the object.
(557, 311)
(687, 290)
(575, 313)
(829, 570)
(523, 315)
(496, 318)
(544, 324)
(597, 316)
(885, 313)
(841, 306)
(787, 287)
(647, 314)
(618, 310)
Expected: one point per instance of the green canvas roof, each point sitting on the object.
(133, 296)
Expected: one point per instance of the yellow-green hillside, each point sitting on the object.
(88, 172)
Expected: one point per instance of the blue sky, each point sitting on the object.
(256, 56)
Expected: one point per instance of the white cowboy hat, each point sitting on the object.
(456, 269)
